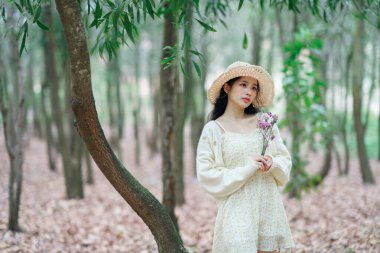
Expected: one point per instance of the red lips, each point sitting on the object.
(246, 100)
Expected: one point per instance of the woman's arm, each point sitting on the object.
(216, 179)
(281, 159)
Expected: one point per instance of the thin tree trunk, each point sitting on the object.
(113, 86)
(198, 114)
(169, 81)
(378, 121)
(345, 113)
(72, 189)
(90, 174)
(257, 37)
(14, 123)
(184, 102)
(328, 135)
(34, 100)
(48, 125)
(137, 105)
(357, 103)
(372, 87)
(75, 147)
(140, 199)
(154, 93)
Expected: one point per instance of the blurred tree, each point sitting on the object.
(46, 109)
(185, 101)
(306, 113)
(114, 104)
(357, 93)
(12, 106)
(169, 85)
(72, 173)
(136, 104)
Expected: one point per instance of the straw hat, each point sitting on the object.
(236, 69)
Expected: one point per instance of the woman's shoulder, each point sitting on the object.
(210, 125)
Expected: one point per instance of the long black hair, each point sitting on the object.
(222, 100)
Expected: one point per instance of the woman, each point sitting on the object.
(251, 216)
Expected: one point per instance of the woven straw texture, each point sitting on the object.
(236, 69)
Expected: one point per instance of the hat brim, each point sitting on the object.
(266, 84)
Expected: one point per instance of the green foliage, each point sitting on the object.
(304, 91)
(245, 41)
(30, 11)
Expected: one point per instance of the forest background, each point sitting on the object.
(92, 86)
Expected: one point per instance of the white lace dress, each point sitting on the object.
(252, 218)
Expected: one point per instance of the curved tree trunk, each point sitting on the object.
(139, 198)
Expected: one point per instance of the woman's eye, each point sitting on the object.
(243, 84)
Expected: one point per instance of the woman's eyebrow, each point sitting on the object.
(254, 84)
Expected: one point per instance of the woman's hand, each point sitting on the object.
(265, 162)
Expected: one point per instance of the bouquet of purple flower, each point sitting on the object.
(265, 125)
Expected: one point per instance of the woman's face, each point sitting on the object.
(243, 91)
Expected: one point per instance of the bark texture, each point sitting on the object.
(82, 100)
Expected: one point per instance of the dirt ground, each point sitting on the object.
(342, 215)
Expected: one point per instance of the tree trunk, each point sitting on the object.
(198, 114)
(140, 199)
(90, 175)
(37, 129)
(73, 190)
(184, 102)
(137, 104)
(357, 85)
(113, 97)
(372, 87)
(154, 93)
(46, 115)
(257, 37)
(327, 135)
(345, 113)
(378, 121)
(169, 81)
(48, 123)
(75, 147)
(14, 123)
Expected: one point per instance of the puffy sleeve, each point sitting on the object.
(281, 158)
(216, 179)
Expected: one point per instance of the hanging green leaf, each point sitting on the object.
(206, 26)
(245, 41)
(197, 68)
(183, 70)
(22, 47)
(37, 14)
(240, 4)
(42, 26)
(149, 8)
(3, 14)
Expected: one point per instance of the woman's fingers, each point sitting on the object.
(264, 162)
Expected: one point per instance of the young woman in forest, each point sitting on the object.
(251, 216)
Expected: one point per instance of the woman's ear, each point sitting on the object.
(226, 88)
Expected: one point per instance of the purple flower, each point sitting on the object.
(265, 125)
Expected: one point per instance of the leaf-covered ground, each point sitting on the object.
(342, 215)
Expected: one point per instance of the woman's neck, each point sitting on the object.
(234, 112)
